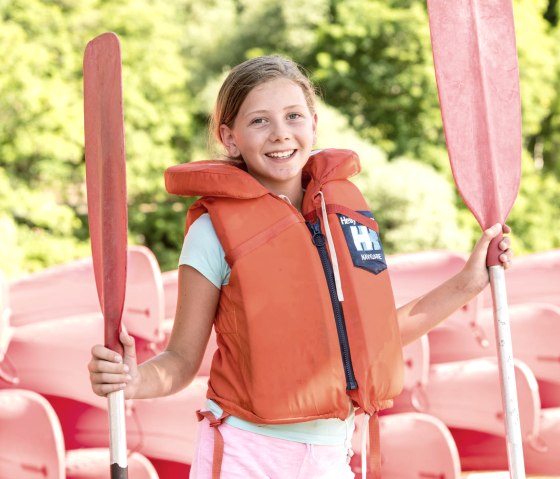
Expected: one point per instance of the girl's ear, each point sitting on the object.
(228, 141)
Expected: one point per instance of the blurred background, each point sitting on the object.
(371, 60)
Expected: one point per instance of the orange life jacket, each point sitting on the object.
(289, 350)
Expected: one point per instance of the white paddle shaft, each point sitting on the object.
(117, 429)
(507, 373)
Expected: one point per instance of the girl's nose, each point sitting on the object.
(279, 132)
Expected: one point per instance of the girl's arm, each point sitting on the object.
(174, 368)
(424, 313)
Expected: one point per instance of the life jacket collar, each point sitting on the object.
(222, 178)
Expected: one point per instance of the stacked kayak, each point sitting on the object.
(69, 291)
(462, 388)
(32, 444)
(54, 321)
(448, 419)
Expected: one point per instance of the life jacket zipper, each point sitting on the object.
(319, 241)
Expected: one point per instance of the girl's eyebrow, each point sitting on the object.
(289, 107)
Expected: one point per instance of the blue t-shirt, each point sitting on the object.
(203, 251)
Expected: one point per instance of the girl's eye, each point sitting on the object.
(294, 116)
(258, 121)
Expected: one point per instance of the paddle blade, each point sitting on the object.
(106, 178)
(475, 59)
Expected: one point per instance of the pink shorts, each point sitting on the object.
(250, 455)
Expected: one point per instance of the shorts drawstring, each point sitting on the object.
(218, 439)
(370, 430)
(311, 452)
(365, 430)
(348, 441)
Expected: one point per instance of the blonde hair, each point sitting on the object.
(246, 76)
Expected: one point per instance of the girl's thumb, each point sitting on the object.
(128, 345)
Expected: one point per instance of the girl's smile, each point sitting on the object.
(281, 155)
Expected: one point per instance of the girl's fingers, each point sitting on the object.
(104, 389)
(109, 378)
(505, 243)
(99, 366)
(108, 372)
(505, 246)
(101, 352)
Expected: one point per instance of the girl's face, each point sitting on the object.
(274, 132)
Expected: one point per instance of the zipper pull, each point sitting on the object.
(318, 237)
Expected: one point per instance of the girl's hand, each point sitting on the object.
(108, 372)
(475, 273)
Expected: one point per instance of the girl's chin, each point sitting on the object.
(278, 177)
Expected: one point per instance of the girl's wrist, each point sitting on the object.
(470, 283)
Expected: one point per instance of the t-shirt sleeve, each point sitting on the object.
(203, 251)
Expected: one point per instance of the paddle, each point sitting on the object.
(475, 58)
(107, 208)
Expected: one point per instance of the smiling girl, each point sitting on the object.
(283, 258)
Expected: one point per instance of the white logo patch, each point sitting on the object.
(364, 244)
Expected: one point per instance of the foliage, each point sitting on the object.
(371, 59)
(538, 67)
(412, 203)
(544, 144)
(535, 213)
(552, 12)
(335, 132)
(374, 63)
(41, 142)
(414, 207)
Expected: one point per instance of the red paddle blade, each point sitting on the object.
(106, 177)
(475, 59)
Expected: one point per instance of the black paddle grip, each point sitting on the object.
(118, 472)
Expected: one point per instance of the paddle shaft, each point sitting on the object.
(119, 466)
(507, 373)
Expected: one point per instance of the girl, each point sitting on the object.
(283, 258)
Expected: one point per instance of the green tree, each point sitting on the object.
(552, 12)
(414, 206)
(534, 215)
(41, 142)
(539, 63)
(373, 60)
(544, 141)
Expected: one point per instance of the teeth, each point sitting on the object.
(280, 154)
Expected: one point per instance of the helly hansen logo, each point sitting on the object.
(364, 244)
(364, 238)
